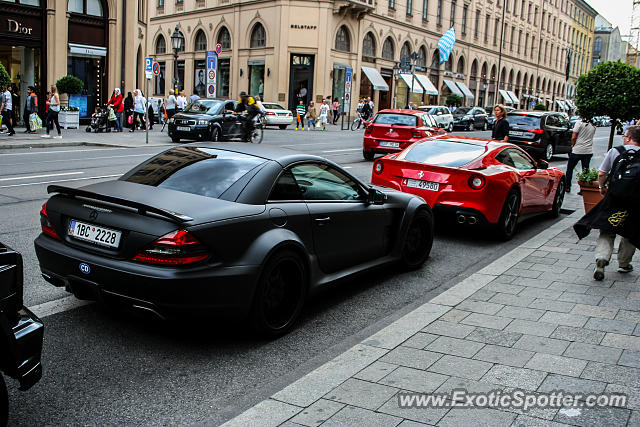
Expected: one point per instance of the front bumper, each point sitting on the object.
(197, 132)
(25, 348)
(204, 289)
(287, 120)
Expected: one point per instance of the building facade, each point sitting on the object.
(582, 34)
(301, 50)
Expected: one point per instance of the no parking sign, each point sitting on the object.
(212, 68)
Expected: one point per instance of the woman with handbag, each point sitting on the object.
(52, 115)
(30, 107)
(128, 110)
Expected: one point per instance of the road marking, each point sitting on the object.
(58, 306)
(72, 160)
(60, 180)
(75, 151)
(310, 143)
(41, 176)
(344, 149)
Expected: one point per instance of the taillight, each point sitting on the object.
(270, 113)
(416, 134)
(47, 227)
(176, 248)
(368, 129)
(290, 114)
(378, 167)
(536, 131)
(477, 182)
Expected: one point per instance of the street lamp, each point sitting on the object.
(177, 43)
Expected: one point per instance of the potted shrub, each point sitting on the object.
(589, 188)
(69, 117)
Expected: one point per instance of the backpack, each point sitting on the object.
(624, 179)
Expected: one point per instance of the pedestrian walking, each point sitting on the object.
(128, 110)
(336, 110)
(581, 149)
(366, 111)
(30, 107)
(300, 112)
(150, 115)
(324, 114)
(6, 106)
(118, 108)
(617, 213)
(139, 108)
(181, 101)
(371, 104)
(171, 105)
(312, 116)
(500, 130)
(409, 106)
(52, 116)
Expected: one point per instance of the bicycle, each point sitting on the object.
(237, 130)
(359, 121)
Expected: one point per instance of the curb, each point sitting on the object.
(300, 394)
(73, 144)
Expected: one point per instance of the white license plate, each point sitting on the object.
(282, 114)
(424, 185)
(389, 144)
(515, 133)
(184, 128)
(94, 234)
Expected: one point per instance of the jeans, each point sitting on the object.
(52, 118)
(604, 248)
(585, 159)
(6, 119)
(138, 118)
(27, 124)
(119, 121)
(311, 122)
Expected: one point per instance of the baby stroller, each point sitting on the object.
(100, 120)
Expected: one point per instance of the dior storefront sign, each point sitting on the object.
(14, 26)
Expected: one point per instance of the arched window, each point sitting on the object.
(258, 36)
(224, 38)
(460, 69)
(597, 45)
(422, 57)
(201, 41)
(474, 69)
(343, 39)
(494, 73)
(483, 71)
(86, 7)
(369, 46)
(388, 51)
(435, 60)
(448, 66)
(161, 45)
(405, 51)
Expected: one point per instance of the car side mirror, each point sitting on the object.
(542, 164)
(376, 197)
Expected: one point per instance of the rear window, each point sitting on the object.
(522, 121)
(444, 152)
(396, 119)
(272, 106)
(196, 170)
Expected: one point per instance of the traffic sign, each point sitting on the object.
(148, 64)
(218, 49)
(211, 90)
(348, 77)
(212, 68)
(156, 68)
(212, 74)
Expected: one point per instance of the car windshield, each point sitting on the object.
(462, 110)
(443, 152)
(396, 119)
(272, 106)
(197, 170)
(204, 106)
(522, 121)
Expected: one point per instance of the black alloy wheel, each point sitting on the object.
(419, 240)
(450, 127)
(558, 199)
(280, 294)
(548, 152)
(4, 402)
(215, 134)
(485, 126)
(509, 215)
(368, 155)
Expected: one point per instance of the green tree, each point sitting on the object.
(609, 89)
(540, 106)
(5, 79)
(453, 100)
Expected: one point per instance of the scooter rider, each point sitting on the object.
(247, 103)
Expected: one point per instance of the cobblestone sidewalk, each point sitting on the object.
(534, 319)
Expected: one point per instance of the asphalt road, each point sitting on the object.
(107, 367)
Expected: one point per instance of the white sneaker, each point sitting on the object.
(58, 137)
(45, 136)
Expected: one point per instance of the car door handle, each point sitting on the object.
(323, 221)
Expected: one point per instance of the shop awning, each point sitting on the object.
(453, 88)
(570, 104)
(408, 79)
(561, 105)
(86, 50)
(429, 88)
(375, 78)
(465, 90)
(505, 96)
(513, 96)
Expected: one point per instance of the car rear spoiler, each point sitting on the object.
(141, 207)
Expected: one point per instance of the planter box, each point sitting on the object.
(590, 194)
(69, 119)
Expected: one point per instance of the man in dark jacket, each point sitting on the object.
(613, 216)
(30, 106)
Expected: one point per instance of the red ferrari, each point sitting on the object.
(391, 131)
(477, 181)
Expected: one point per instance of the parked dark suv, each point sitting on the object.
(204, 119)
(470, 118)
(541, 133)
(21, 331)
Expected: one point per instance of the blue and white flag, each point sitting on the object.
(445, 44)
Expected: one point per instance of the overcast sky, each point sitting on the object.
(618, 12)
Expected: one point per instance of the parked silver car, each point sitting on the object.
(443, 116)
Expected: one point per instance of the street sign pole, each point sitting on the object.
(148, 71)
(146, 113)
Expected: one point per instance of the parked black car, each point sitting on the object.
(229, 229)
(541, 133)
(21, 332)
(470, 118)
(203, 120)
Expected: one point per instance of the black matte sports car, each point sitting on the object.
(204, 119)
(226, 228)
